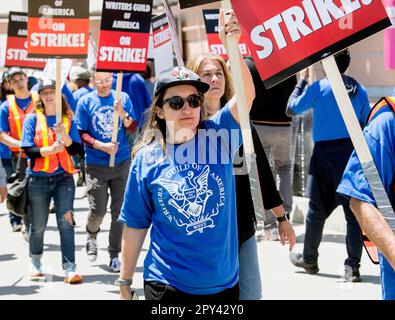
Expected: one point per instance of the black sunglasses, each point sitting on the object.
(176, 102)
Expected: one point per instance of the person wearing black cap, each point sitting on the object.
(181, 184)
(49, 145)
(95, 114)
(12, 115)
(5, 89)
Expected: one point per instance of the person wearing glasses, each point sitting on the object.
(12, 115)
(94, 117)
(182, 185)
(50, 145)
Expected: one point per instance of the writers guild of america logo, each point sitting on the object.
(190, 197)
(103, 121)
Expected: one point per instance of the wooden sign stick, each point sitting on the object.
(249, 152)
(116, 117)
(58, 92)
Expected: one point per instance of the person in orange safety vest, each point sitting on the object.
(50, 145)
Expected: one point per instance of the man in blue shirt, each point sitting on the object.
(331, 152)
(94, 117)
(380, 137)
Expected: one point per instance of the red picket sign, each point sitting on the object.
(287, 36)
(214, 42)
(61, 31)
(16, 53)
(124, 35)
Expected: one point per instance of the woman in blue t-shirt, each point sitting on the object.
(181, 184)
(49, 145)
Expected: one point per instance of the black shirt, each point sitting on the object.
(270, 105)
(271, 197)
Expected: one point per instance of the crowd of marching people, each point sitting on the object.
(178, 172)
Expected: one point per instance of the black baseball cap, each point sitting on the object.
(179, 76)
(46, 84)
(15, 70)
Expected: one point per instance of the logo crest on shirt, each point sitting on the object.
(103, 121)
(189, 197)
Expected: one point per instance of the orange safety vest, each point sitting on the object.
(16, 116)
(45, 137)
(381, 104)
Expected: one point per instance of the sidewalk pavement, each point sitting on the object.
(280, 279)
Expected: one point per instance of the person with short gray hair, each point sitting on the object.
(95, 114)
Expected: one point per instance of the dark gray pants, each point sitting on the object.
(98, 180)
(22, 170)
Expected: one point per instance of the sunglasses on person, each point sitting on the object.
(177, 103)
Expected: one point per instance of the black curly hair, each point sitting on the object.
(343, 59)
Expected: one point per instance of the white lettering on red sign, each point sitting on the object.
(20, 54)
(162, 37)
(113, 54)
(318, 13)
(219, 49)
(62, 40)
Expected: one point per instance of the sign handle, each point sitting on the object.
(250, 157)
(116, 117)
(174, 35)
(358, 139)
(58, 92)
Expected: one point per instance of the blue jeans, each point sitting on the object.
(249, 275)
(40, 191)
(387, 279)
(315, 222)
(7, 165)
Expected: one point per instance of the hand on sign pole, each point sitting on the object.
(57, 147)
(119, 110)
(228, 27)
(60, 130)
(305, 74)
(240, 105)
(61, 134)
(110, 148)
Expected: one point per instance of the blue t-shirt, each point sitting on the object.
(190, 202)
(29, 131)
(5, 152)
(327, 119)
(78, 94)
(380, 137)
(4, 124)
(96, 115)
